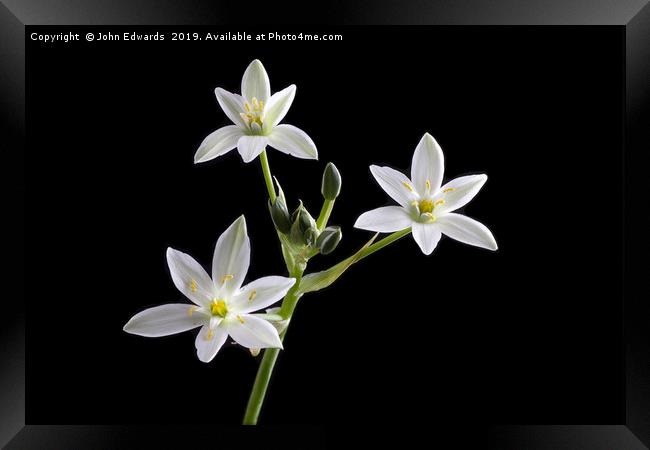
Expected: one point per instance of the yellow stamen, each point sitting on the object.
(408, 186)
(439, 202)
(191, 310)
(448, 190)
(193, 287)
(252, 296)
(240, 319)
(430, 216)
(428, 183)
(227, 277)
(247, 106)
(256, 105)
(210, 335)
(262, 104)
(219, 308)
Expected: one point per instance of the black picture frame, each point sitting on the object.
(631, 17)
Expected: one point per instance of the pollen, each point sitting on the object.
(428, 183)
(438, 203)
(193, 287)
(448, 190)
(252, 296)
(407, 186)
(191, 310)
(210, 335)
(227, 277)
(240, 319)
(219, 308)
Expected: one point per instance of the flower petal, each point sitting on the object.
(395, 183)
(250, 147)
(459, 191)
(231, 257)
(427, 236)
(208, 343)
(254, 332)
(384, 220)
(164, 320)
(255, 82)
(261, 293)
(466, 230)
(293, 141)
(428, 164)
(232, 105)
(277, 107)
(218, 143)
(189, 277)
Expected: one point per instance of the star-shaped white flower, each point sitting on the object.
(425, 206)
(256, 115)
(222, 307)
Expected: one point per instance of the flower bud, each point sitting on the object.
(280, 215)
(329, 239)
(331, 185)
(303, 229)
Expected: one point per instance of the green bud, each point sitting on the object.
(331, 185)
(329, 239)
(280, 215)
(303, 228)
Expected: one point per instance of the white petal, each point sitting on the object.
(251, 146)
(189, 277)
(255, 82)
(427, 236)
(459, 191)
(277, 107)
(428, 164)
(254, 332)
(232, 105)
(293, 141)
(218, 143)
(395, 183)
(466, 230)
(231, 257)
(208, 343)
(164, 320)
(261, 293)
(384, 220)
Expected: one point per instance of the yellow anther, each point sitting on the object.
(210, 335)
(240, 319)
(219, 308)
(191, 310)
(407, 186)
(430, 217)
(256, 105)
(193, 287)
(261, 105)
(247, 106)
(227, 277)
(439, 202)
(448, 190)
(252, 296)
(428, 183)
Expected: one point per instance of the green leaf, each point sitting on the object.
(319, 280)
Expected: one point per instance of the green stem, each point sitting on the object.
(268, 179)
(263, 377)
(324, 215)
(383, 243)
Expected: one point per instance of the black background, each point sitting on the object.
(529, 334)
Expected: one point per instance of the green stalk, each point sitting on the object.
(268, 179)
(263, 377)
(382, 243)
(324, 215)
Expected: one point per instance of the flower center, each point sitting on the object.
(254, 115)
(219, 308)
(426, 205)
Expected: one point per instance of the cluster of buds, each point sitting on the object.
(299, 228)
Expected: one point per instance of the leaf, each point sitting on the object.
(319, 280)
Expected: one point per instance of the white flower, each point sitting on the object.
(256, 115)
(425, 206)
(222, 307)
